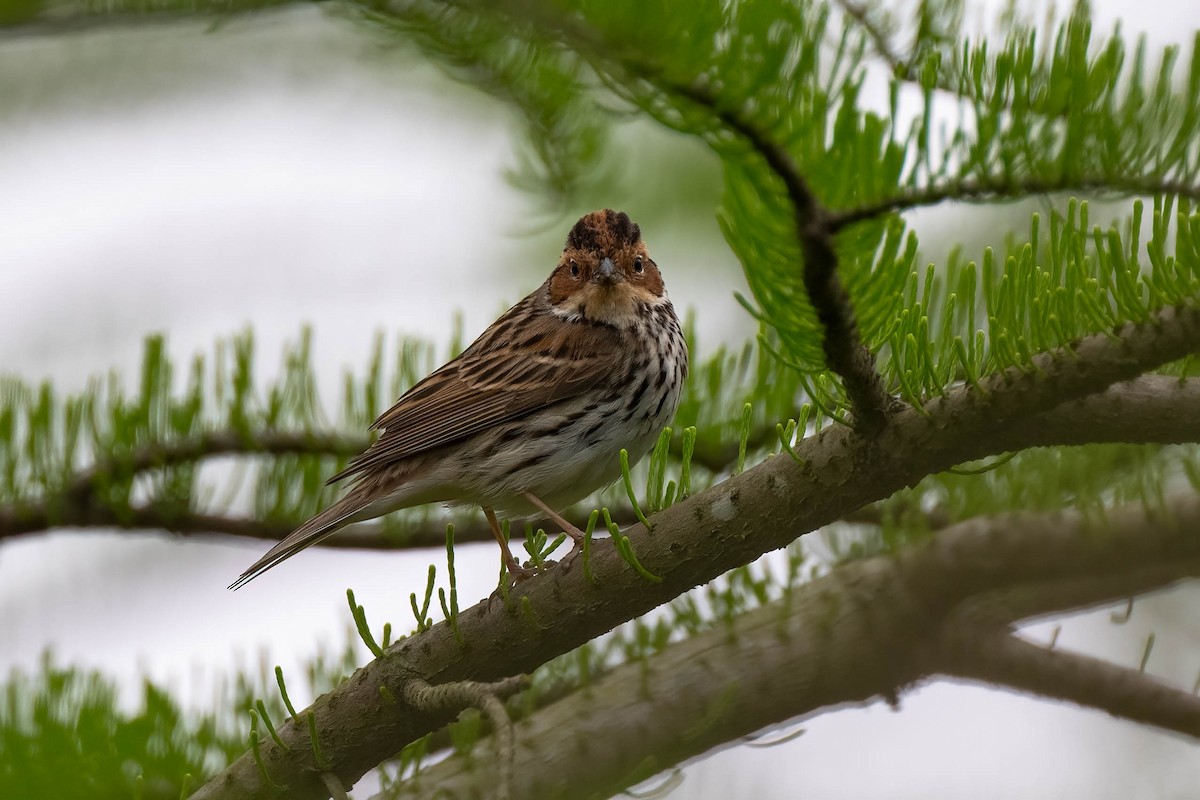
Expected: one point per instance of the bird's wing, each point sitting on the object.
(524, 362)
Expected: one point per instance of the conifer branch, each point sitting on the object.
(715, 457)
(845, 352)
(79, 503)
(1152, 409)
(1011, 189)
(210, 445)
(16, 522)
(1058, 596)
(904, 68)
(1159, 409)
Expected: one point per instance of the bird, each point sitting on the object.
(531, 417)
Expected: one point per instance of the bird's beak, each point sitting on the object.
(607, 275)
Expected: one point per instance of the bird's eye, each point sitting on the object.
(574, 270)
(637, 265)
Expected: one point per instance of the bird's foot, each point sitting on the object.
(519, 573)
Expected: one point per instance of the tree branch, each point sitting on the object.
(999, 658)
(16, 522)
(821, 647)
(1150, 409)
(1063, 595)
(77, 505)
(1008, 190)
(1157, 409)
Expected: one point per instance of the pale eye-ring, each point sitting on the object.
(637, 265)
(574, 269)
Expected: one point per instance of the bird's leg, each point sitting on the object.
(569, 529)
(515, 569)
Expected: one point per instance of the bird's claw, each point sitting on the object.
(519, 573)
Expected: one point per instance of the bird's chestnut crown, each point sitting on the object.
(605, 273)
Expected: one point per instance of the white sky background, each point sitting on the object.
(286, 171)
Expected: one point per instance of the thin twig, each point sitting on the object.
(209, 445)
(883, 45)
(844, 350)
(982, 189)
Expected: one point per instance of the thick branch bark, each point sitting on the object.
(708, 534)
(860, 632)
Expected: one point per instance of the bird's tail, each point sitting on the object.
(351, 508)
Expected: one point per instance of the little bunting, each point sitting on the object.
(531, 416)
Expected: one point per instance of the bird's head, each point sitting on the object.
(605, 274)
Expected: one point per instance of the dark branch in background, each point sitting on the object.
(1009, 190)
(209, 445)
(1152, 409)
(854, 636)
(79, 504)
(714, 458)
(173, 519)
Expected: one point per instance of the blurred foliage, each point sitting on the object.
(66, 734)
(1056, 111)
(16, 12)
(63, 734)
